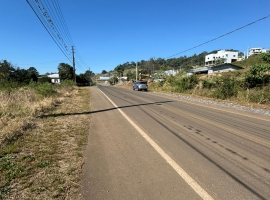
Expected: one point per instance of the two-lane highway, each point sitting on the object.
(143, 145)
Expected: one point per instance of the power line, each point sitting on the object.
(45, 14)
(219, 36)
(63, 21)
(51, 17)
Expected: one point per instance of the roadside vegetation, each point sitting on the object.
(250, 85)
(43, 129)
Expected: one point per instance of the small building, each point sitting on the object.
(255, 51)
(105, 78)
(55, 78)
(171, 72)
(225, 67)
(221, 56)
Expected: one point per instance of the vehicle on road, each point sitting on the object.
(140, 85)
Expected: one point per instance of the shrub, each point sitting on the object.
(67, 83)
(207, 84)
(225, 88)
(44, 79)
(43, 89)
(9, 85)
(256, 76)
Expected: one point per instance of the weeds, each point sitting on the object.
(36, 150)
(251, 86)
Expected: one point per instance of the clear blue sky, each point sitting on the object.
(111, 32)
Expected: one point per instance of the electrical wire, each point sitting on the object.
(41, 7)
(219, 36)
(51, 17)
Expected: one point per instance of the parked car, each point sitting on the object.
(140, 85)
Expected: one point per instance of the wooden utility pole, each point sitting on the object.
(73, 62)
(89, 77)
(136, 71)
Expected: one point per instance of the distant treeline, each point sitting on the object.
(154, 64)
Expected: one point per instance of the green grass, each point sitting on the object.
(41, 154)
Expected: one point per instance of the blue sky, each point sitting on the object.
(107, 33)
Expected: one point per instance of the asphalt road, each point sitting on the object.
(143, 145)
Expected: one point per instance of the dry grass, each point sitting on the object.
(41, 148)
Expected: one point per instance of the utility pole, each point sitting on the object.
(73, 62)
(136, 71)
(89, 77)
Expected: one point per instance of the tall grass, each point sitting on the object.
(18, 105)
(226, 86)
(41, 155)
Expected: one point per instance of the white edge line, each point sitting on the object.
(190, 181)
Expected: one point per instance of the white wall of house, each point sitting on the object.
(230, 57)
(105, 78)
(171, 72)
(255, 51)
(54, 78)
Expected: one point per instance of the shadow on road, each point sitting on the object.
(104, 110)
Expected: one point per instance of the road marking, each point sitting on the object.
(190, 181)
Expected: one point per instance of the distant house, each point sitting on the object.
(225, 56)
(105, 78)
(54, 78)
(225, 67)
(171, 72)
(255, 51)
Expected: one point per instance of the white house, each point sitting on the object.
(171, 72)
(54, 78)
(228, 56)
(255, 51)
(105, 78)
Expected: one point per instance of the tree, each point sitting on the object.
(44, 79)
(120, 70)
(81, 79)
(6, 70)
(131, 75)
(65, 71)
(21, 76)
(89, 73)
(33, 74)
(104, 72)
(265, 57)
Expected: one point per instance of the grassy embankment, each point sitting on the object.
(41, 141)
(248, 86)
